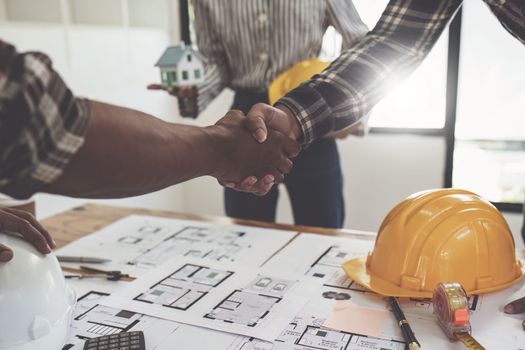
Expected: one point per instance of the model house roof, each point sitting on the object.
(173, 54)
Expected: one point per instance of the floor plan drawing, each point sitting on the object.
(139, 243)
(183, 288)
(91, 320)
(328, 268)
(218, 295)
(306, 330)
(198, 242)
(252, 304)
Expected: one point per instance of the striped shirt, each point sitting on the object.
(347, 90)
(42, 125)
(249, 42)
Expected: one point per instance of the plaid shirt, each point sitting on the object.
(345, 92)
(42, 125)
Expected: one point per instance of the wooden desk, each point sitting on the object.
(80, 221)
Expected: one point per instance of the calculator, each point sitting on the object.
(121, 341)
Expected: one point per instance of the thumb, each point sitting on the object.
(257, 127)
(260, 118)
(6, 253)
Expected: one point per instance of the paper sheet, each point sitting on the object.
(91, 320)
(321, 257)
(217, 295)
(349, 317)
(137, 243)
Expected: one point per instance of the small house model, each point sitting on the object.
(180, 66)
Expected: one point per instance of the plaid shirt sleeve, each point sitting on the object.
(42, 125)
(344, 93)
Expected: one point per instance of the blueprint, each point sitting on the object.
(136, 243)
(91, 320)
(218, 295)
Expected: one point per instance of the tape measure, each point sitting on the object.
(451, 308)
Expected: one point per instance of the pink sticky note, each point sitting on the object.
(349, 317)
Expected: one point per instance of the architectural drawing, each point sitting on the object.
(251, 304)
(197, 242)
(183, 288)
(222, 296)
(328, 268)
(91, 320)
(138, 243)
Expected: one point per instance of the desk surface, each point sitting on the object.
(83, 220)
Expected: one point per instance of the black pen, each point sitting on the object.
(408, 334)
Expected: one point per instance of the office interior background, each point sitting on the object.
(459, 120)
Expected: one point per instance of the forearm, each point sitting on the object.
(128, 153)
(511, 14)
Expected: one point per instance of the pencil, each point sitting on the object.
(408, 334)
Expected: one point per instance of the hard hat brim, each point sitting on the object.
(357, 270)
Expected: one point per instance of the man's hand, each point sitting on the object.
(262, 117)
(22, 223)
(516, 307)
(239, 155)
(261, 120)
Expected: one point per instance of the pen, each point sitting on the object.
(409, 336)
(82, 259)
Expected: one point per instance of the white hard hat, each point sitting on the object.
(35, 303)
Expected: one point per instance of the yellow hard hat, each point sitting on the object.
(293, 77)
(446, 235)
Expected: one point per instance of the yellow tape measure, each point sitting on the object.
(451, 308)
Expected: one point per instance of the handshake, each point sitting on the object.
(254, 152)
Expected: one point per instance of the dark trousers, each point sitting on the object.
(315, 184)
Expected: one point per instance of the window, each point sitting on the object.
(489, 154)
(173, 76)
(184, 75)
(164, 75)
(197, 73)
(189, 58)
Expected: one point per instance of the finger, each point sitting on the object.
(279, 177)
(13, 223)
(285, 166)
(263, 189)
(6, 254)
(248, 182)
(515, 307)
(36, 224)
(247, 185)
(228, 184)
(268, 179)
(256, 125)
(292, 148)
(155, 87)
